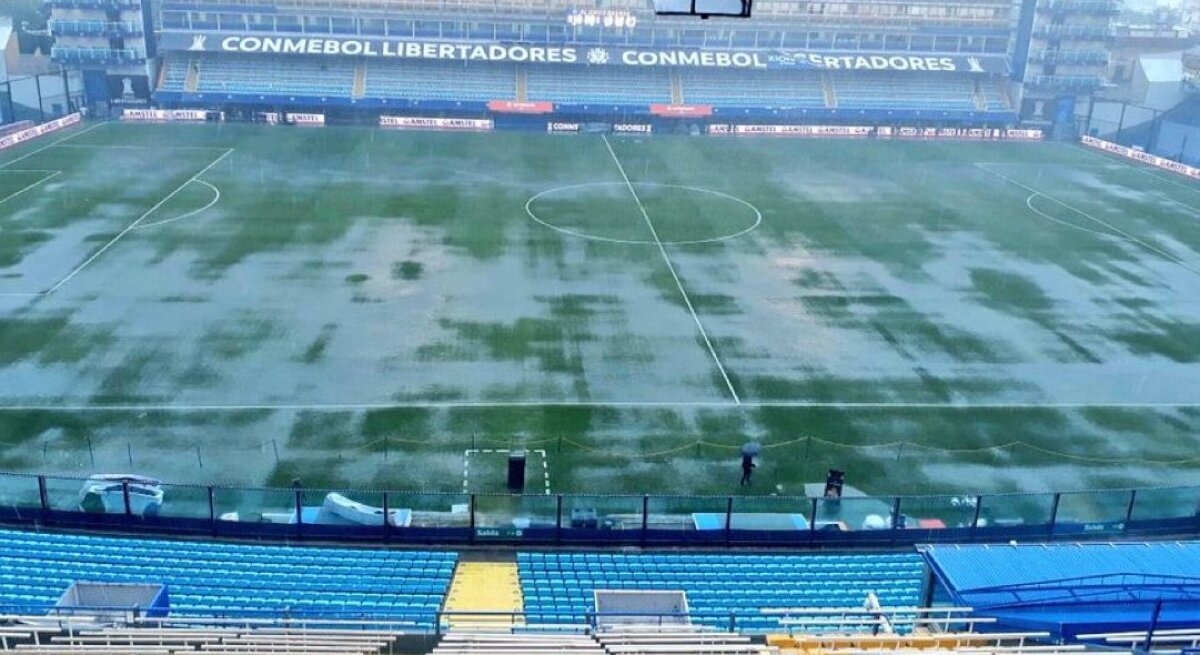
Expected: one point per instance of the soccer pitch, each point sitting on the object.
(377, 309)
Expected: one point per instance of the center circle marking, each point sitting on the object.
(758, 217)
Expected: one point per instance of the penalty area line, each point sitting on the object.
(17, 193)
(1115, 230)
(132, 226)
(51, 145)
(671, 267)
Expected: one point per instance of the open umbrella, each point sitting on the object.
(751, 448)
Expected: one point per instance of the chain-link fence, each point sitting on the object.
(39, 98)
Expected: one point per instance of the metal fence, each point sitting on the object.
(696, 521)
(40, 98)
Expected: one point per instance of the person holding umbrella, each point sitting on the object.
(750, 450)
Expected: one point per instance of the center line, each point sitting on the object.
(671, 267)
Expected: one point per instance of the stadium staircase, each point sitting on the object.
(193, 76)
(676, 88)
(360, 80)
(830, 93)
(522, 85)
(484, 585)
(977, 94)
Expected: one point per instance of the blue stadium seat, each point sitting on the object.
(425, 80)
(936, 92)
(598, 84)
(35, 569)
(561, 585)
(782, 88)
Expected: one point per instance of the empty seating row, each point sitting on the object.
(417, 80)
(889, 91)
(753, 88)
(600, 84)
(562, 585)
(328, 76)
(213, 550)
(36, 568)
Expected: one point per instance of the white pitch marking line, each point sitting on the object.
(47, 147)
(545, 470)
(133, 225)
(749, 404)
(1036, 194)
(1107, 163)
(471, 451)
(1088, 216)
(17, 193)
(100, 146)
(671, 267)
(216, 197)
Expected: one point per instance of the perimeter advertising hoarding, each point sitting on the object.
(198, 115)
(1144, 157)
(305, 119)
(374, 47)
(432, 123)
(681, 111)
(520, 107)
(10, 140)
(883, 132)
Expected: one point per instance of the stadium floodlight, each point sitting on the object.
(703, 8)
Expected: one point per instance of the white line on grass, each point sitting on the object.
(216, 197)
(1098, 221)
(102, 146)
(1108, 160)
(1036, 194)
(671, 267)
(51, 145)
(434, 404)
(503, 451)
(17, 193)
(133, 225)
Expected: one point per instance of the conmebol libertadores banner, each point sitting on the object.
(569, 54)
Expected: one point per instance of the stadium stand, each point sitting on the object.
(215, 578)
(561, 585)
(886, 91)
(608, 85)
(428, 80)
(174, 74)
(232, 74)
(783, 88)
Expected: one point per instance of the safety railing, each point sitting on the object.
(646, 520)
(71, 619)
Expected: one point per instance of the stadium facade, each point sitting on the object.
(938, 62)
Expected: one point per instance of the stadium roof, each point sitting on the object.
(1074, 588)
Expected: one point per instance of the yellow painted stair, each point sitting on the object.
(484, 587)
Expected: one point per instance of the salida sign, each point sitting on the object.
(568, 54)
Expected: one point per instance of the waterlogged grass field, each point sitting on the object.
(357, 307)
